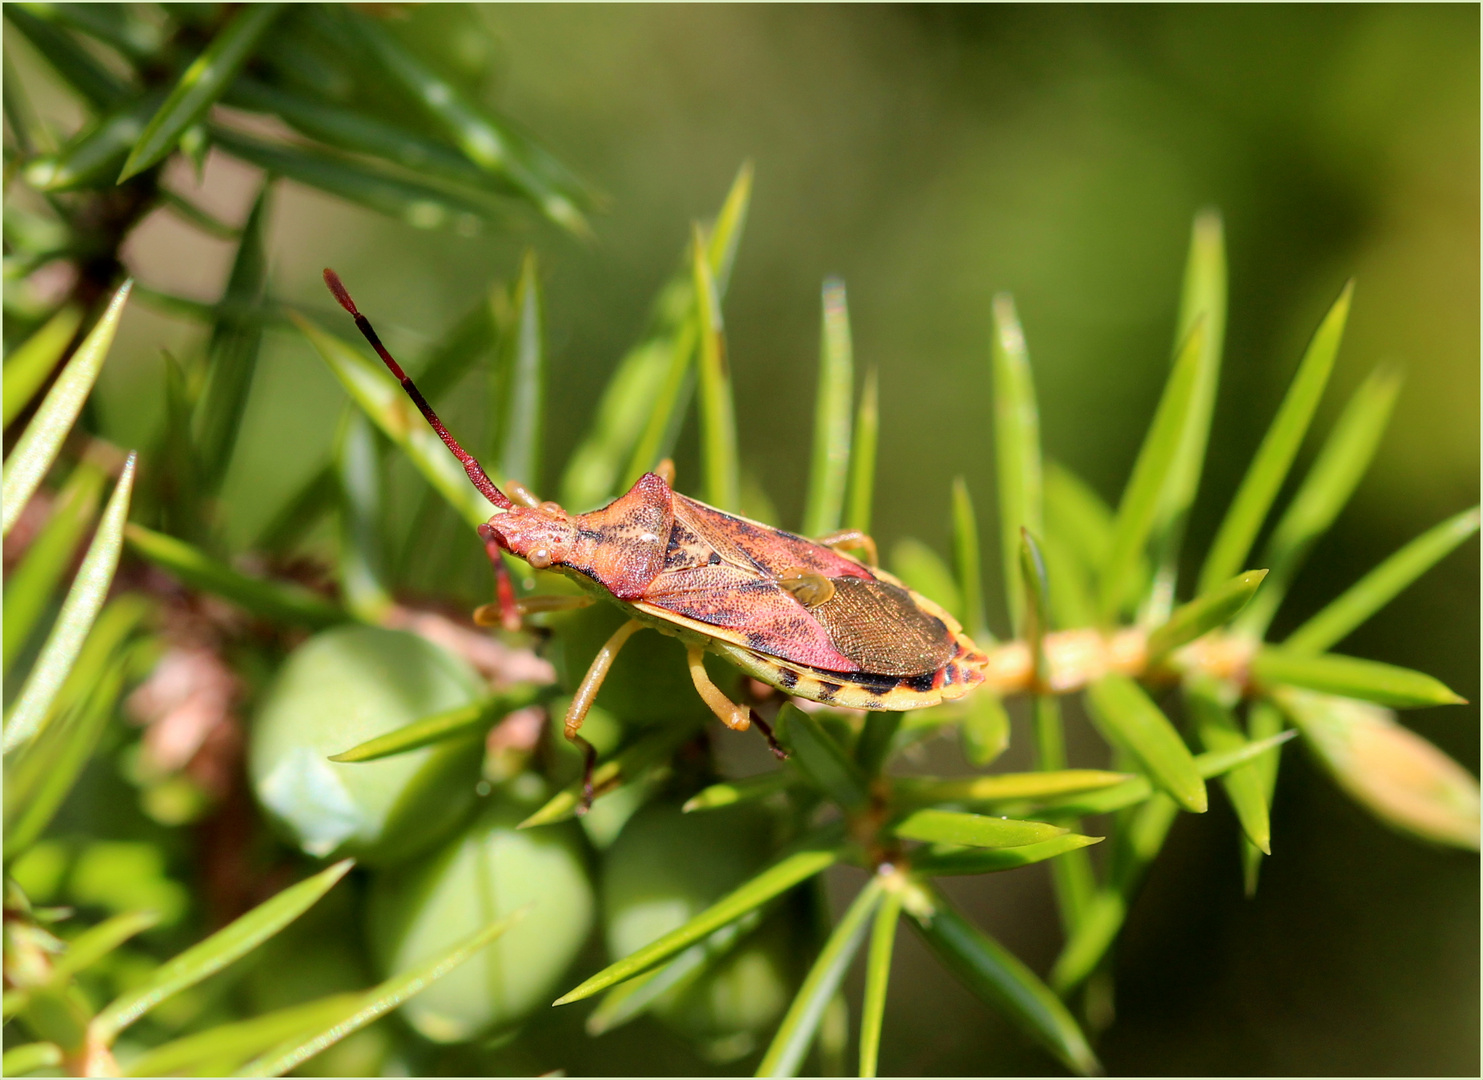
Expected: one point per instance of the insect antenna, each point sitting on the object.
(475, 471)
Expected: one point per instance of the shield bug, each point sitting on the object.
(796, 614)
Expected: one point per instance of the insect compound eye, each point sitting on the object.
(808, 587)
(539, 557)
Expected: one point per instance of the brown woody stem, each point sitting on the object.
(1075, 658)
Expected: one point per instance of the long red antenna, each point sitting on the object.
(476, 471)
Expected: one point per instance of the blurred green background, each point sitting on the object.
(930, 157)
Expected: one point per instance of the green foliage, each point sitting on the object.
(1128, 718)
(28, 365)
(40, 773)
(1157, 471)
(362, 562)
(422, 745)
(350, 1015)
(657, 377)
(1217, 728)
(948, 860)
(1377, 588)
(200, 85)
(926, 572)
(1203, 614)
(373, 389)
(1337, 470)
(31, 585)
(717, 415)
(1202, 311)
(801, 1024)
(269, 599)
(664, 869)
(438, 727)
(1366, 680)
(220, 949)
(1279, 446)
(1005, 787)
(787, 872)
(862, 455)
(829, 466)
(822, 761)
(985, 729)
(969, 562)
(519, 378)
(624, 767)
(85, 598)
(994, 974)
(1017, 444)
(877, 978)
(39, 445)
(973, 830)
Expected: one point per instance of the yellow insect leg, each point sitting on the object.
(520, 494)
(490, 615)
(736, 717)
(582, 700)
(853, 538)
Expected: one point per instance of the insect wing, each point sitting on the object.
(749, 610)
(883, 630)
(724, 573)
(751, 545)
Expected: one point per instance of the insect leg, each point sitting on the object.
(772, 740)
(582, 701)
(520, 494)
(492, 614)
(853, 538)
(665, 470)
(533, 604)
(736, 717)
(504, 611)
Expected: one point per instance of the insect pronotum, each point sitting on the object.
(796, 614)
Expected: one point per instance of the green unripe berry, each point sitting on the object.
(490, 871)
(337, 690)
(666, 867)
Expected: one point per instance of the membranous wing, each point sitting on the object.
(727, 573)
(880, 627)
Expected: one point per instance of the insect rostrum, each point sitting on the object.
(794, 613)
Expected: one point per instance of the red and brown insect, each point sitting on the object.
(793, 613)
